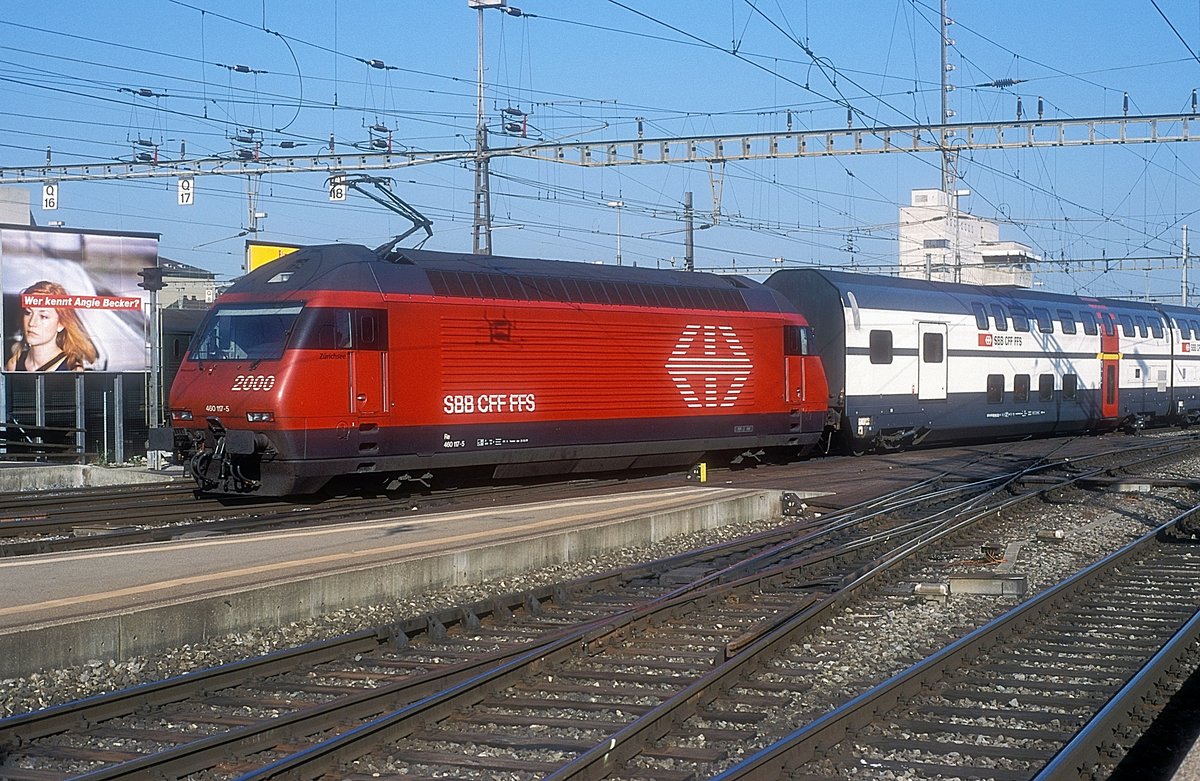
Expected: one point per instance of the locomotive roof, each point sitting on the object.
(346, 267)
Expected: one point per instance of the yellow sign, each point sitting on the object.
(260, 253)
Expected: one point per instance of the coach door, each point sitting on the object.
(1110, 353)
(932, 367)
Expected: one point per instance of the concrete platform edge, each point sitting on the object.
(155, 628)
(52, 476)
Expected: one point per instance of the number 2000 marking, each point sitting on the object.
(253, 382)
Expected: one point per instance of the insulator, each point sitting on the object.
(288, 144)
(378, 64)
(379, 143)
(379, 128)
(1041, 110)
(1020, 110)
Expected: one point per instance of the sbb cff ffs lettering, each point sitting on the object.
(488, 403)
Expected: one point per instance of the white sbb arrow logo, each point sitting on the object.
(709, 366)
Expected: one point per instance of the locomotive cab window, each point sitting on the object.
(245, 332)
(327, 328)
(797, 340)
(881, 347)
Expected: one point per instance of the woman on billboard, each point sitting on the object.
(52, 337)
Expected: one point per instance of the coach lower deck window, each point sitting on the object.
(1046, 387)
(1021, 387)
(995, 388)
(881, 347)
(1070, 386)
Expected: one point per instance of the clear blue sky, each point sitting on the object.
(585, 70)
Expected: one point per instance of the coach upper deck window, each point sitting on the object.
(1089, 323)
(1141, 325)
(1001, 317)
(1156, 329)
(981, 317)
(1110, 324)
(1127, 326)
(1068, 321)
(1020, 318)
(881, 347)
(1044, 321)
(995, 388)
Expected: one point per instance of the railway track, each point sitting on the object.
(1058, 688)
(464, 688)
(56, 521)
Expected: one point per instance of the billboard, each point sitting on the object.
(71, 300)
(260, 253)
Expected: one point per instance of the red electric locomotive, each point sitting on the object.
(394, 364)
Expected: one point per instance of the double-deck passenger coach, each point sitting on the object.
(911, 361)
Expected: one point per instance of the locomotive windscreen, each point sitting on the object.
(245, 332)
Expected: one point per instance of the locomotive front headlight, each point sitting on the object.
(181, 414)
(260, 417)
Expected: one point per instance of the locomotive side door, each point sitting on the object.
(368, 362)
(1110, 353)
(932, 366)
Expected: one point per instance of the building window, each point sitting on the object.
(995, 388)
(881, 347)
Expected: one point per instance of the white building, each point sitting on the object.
(939, 242)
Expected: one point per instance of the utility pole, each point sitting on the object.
(1183, 293)
(689, 242)
(481, 225)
